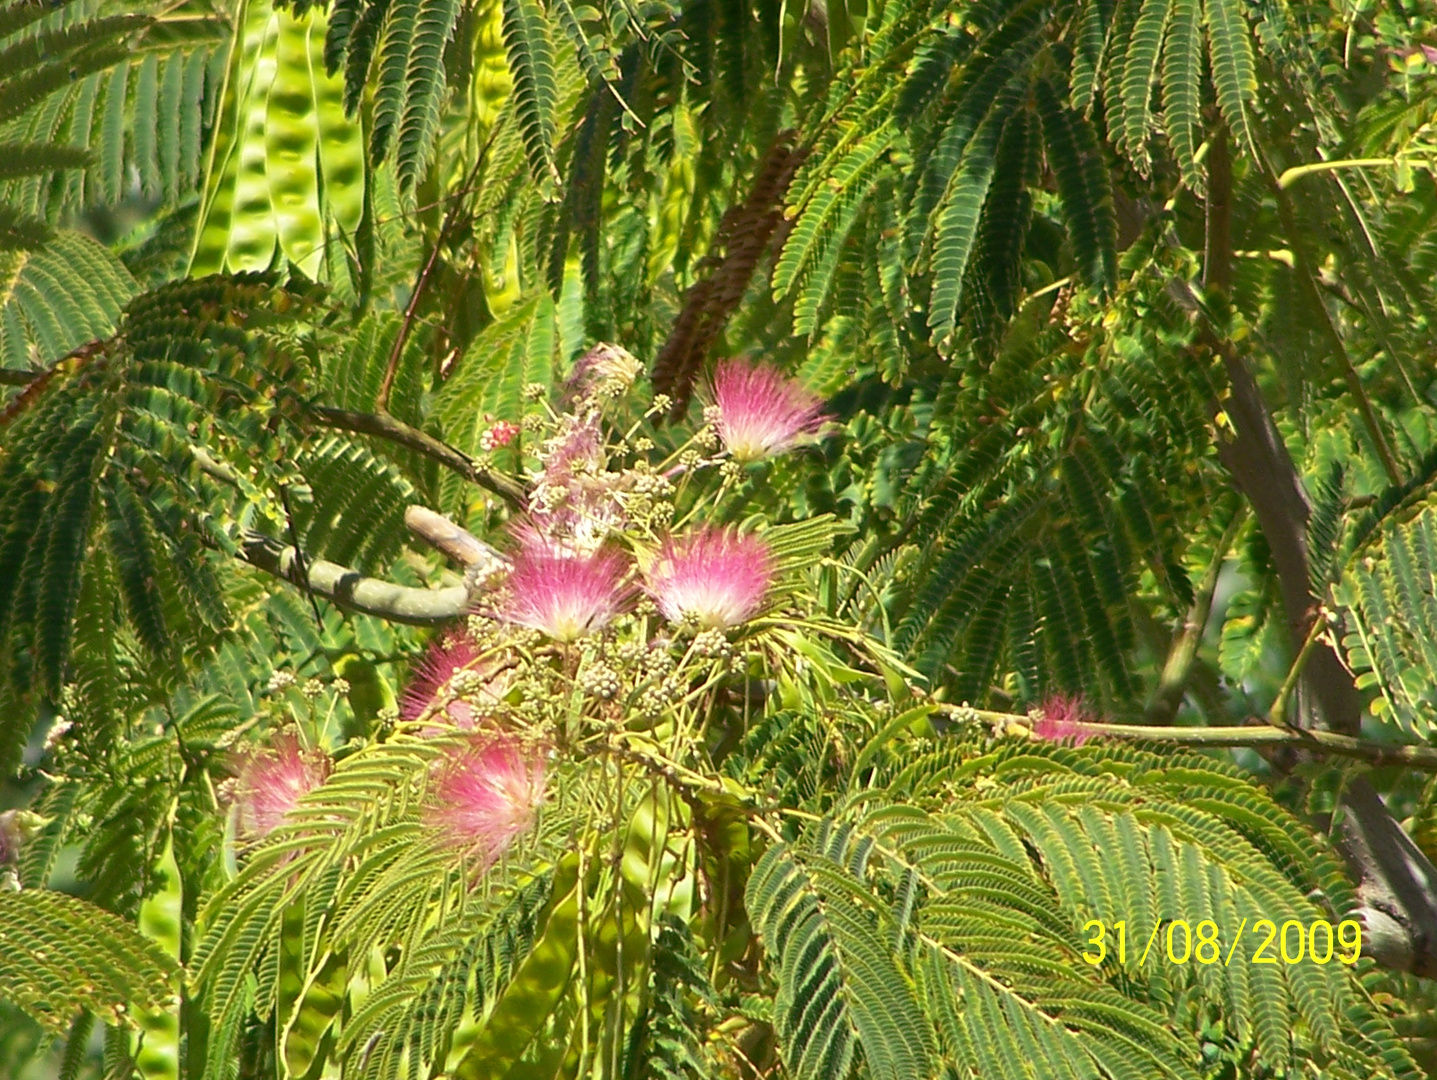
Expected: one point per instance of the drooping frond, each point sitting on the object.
(981, 869)
(96, 98)
(59, 954)
(56, 298)
(535, 101)
(402, 42)
(1028, 550)
(104, 449)
(1391, 639)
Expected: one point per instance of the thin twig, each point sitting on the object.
(451, 221)
(384, 426)
(1178, 667)
(1276, 716)
(1261, 734)
(402, 337)
(301, 572)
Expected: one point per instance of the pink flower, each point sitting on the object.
(271, 782)
(604, 367)
(565, 594)
(486, 795)
(715, 576)
(453, 668)
(500, 434)
(1061, 716)
(760, 412)
(574, 498)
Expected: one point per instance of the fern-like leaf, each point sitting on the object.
(1234, 74)
(60, 954)
(424, 87)
(840, 991)
(536, 92)
(1083, 184)
(1139, 71)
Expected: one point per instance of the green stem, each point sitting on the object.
(1330, 742)
(1178, 668)
(1297, 172)
(1276, 715)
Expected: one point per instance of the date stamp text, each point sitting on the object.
(1177, 941)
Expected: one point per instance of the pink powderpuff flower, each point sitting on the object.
(1061, 716)
(713, 575)
(760, 413)
(565, 594)
(271, 782)
(453, 668)
(486, 795)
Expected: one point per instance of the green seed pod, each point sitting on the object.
(291, 142)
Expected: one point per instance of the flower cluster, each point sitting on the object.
(271, 781)
(596, 567)
(574, 499)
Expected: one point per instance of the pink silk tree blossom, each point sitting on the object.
(566, 595)
(1061, 716)
(713, 575)
(452, 679)
(760, 412)
(573, 499)
(271, 782)
(486, 795)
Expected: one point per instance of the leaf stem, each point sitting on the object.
(1297, 172)
(1276, 715)
(1260, 734)
(384, 426)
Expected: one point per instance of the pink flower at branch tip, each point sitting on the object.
(1061, 715)
(486, 795)
(713, 575)
(271, 782)
(566, 595)
(761, 412)
(452, 679)
(500, 433)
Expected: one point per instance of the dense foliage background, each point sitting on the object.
(1107, 589)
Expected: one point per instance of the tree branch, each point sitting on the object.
(384, 426)
(1396, 881)
(353, 591)
(1255, 736)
